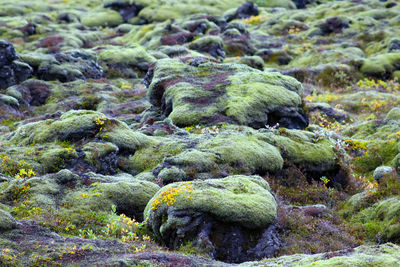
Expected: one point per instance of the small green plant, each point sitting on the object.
(15, 168)
(325, 180)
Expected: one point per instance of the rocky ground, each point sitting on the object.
(199, 133)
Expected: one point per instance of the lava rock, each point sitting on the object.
(333, 25)
(11, 71)
(246, 10)
(126, 9)
(382, 171)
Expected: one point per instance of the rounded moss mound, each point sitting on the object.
(381, 255)
(103, 18)
(248, 152)
(7, 222)
(232, 219)
(244, 200)
(210, 93)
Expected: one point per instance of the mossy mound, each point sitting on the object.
(128, 62)
(211, 93)
(164, 10)
(7, 222)
(103, 18)
(199, 211)
(381, 255)
(381, 65)
(230, 200)
(231, 149)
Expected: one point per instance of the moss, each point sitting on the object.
(123, 59)
(251, 96)
(245, 153)
(274, 3)
(55, 159)
(393, 114)
(245, 200)
(146, 158)
(71, 125)
(173, 174)
(130, 198)
(7, 222)
(382, 220)
(164, 10)
(378, 153)
(380, 255)
(194, 161)
(190, 103)
(328, 55)
(302, 148)
(94, 151)
(8, 100)
(381, 65)
(104, 18)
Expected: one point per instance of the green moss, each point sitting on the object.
(242, 94)
(163, 10)
(122, 59)
(302, 148)
(381, 65)
(8, 100)
(72, 124)
(7, 222)
(380, 255)
(393, 114)
(146, 158)
(129, 197)
(245, 200)
(244, 152)
(252, 95)
(104, 18)
(94, 151)
(274, 3)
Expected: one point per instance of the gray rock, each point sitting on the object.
(382, 171)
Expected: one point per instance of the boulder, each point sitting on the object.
(210, 93)
(231, 218)
(7, 222)
(12, 71)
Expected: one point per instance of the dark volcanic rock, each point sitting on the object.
(69, 66)
(300, 4)
(177, 38)
(333, 25)
(11, 71)
(211, 45)
(126, 9)
(246, 10)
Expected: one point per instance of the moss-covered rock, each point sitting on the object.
(273, 3)
(102, 18)
(164, 10)
(210, 93)
(126, 62)
(72, 125)
(249, 152)
(130, 198)
(198, 211)
(382, 220)
(381, 65)
(229, 199)
(7, 222)
(393, 114)
(381, 255)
